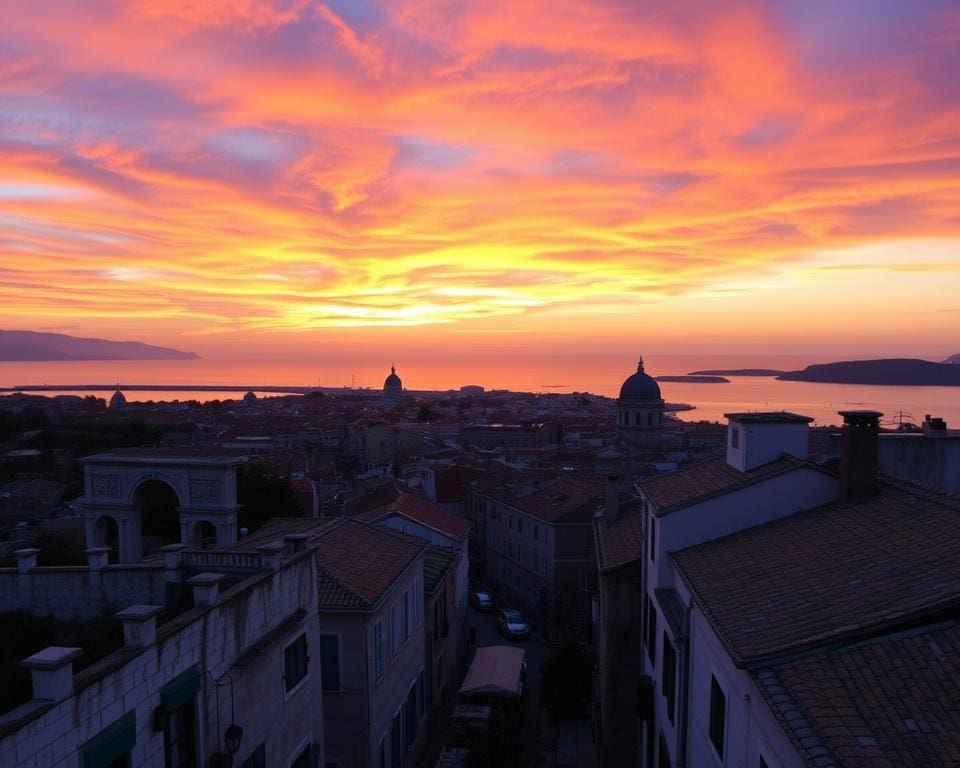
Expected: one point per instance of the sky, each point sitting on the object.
(267, 177)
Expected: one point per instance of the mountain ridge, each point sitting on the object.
(37, 346)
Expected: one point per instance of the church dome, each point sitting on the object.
(392, 383)
(118, 400)
(640, 386)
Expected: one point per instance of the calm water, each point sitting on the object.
(598, 374)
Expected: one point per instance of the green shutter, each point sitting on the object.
(112, 742)
(330, 662)
(181, 689)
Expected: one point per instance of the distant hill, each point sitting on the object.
(896, 372)
(22, 346)
(953, 359)
(739, 372)
(692, 379)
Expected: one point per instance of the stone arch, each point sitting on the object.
(204, 535)
(156, 505)
(160, 499)
(107, 534)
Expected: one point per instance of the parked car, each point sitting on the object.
(482, 601)
(512, 625)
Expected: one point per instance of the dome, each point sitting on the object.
(640, 386)
(392, 383)
(250, 397)
(118, 400)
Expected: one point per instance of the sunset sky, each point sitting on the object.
(248, 177)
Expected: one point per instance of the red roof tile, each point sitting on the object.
(829, 572)
(619, 543)
(420, 510)
(357, 562)
(892, 702)
(709, 478)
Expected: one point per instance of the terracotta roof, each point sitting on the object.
(420, 510)
(709, 478)
(357, 562)
(619, 543)
(892, 702)
(831, 572)
(554, 497)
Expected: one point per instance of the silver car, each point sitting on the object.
(512, 625)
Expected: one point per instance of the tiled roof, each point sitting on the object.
(554, 497)
(619, 543)
(829, 572)
(420, 510)
(706, 479)
(892, 702)
(435, 565)
(357, 562)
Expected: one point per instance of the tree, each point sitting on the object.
(262, 496)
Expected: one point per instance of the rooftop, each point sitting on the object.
(418, 510)
(619, 542)
(357, 562)
(890, 702)
(768, 417)
(831, 573)
(709, 478)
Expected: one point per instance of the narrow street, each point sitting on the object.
(538, 726)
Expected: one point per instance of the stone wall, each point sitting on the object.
(79, 593)
(237, 644)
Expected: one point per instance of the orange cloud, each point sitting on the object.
(295, 167)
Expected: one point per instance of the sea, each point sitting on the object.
(597, 374)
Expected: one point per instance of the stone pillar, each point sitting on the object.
(227, 531)
(26, 559)
(206, 588)
(131, 547)
(186, 529)
(139, 624)
(97, 558)
(52, 672)
(271, 554)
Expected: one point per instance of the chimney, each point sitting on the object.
(52, 672)
(859, 443)
(611, 509)
(934, 427)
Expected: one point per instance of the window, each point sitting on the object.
(180, 736)
(421, 694)
(418, 600)
(303, 759)
(394, 631)
(651, 626)
(718, 717)
(664, 761)
(330, 662)
(378, 649)
(536, 532)
(295, 663)
(520, 552)
(653, 538)
(734, 437)
(519, 525)
(258, 758)
(396, 740)
(112, 746)
(510, 522)
(412, 719)
(406, 614)
(669, 677)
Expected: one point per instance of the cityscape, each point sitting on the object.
(432, 384)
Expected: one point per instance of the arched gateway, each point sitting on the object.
(157, 500)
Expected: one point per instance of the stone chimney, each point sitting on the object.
(859, 444)
(611, 509)
(139, 625)
(52, 672)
